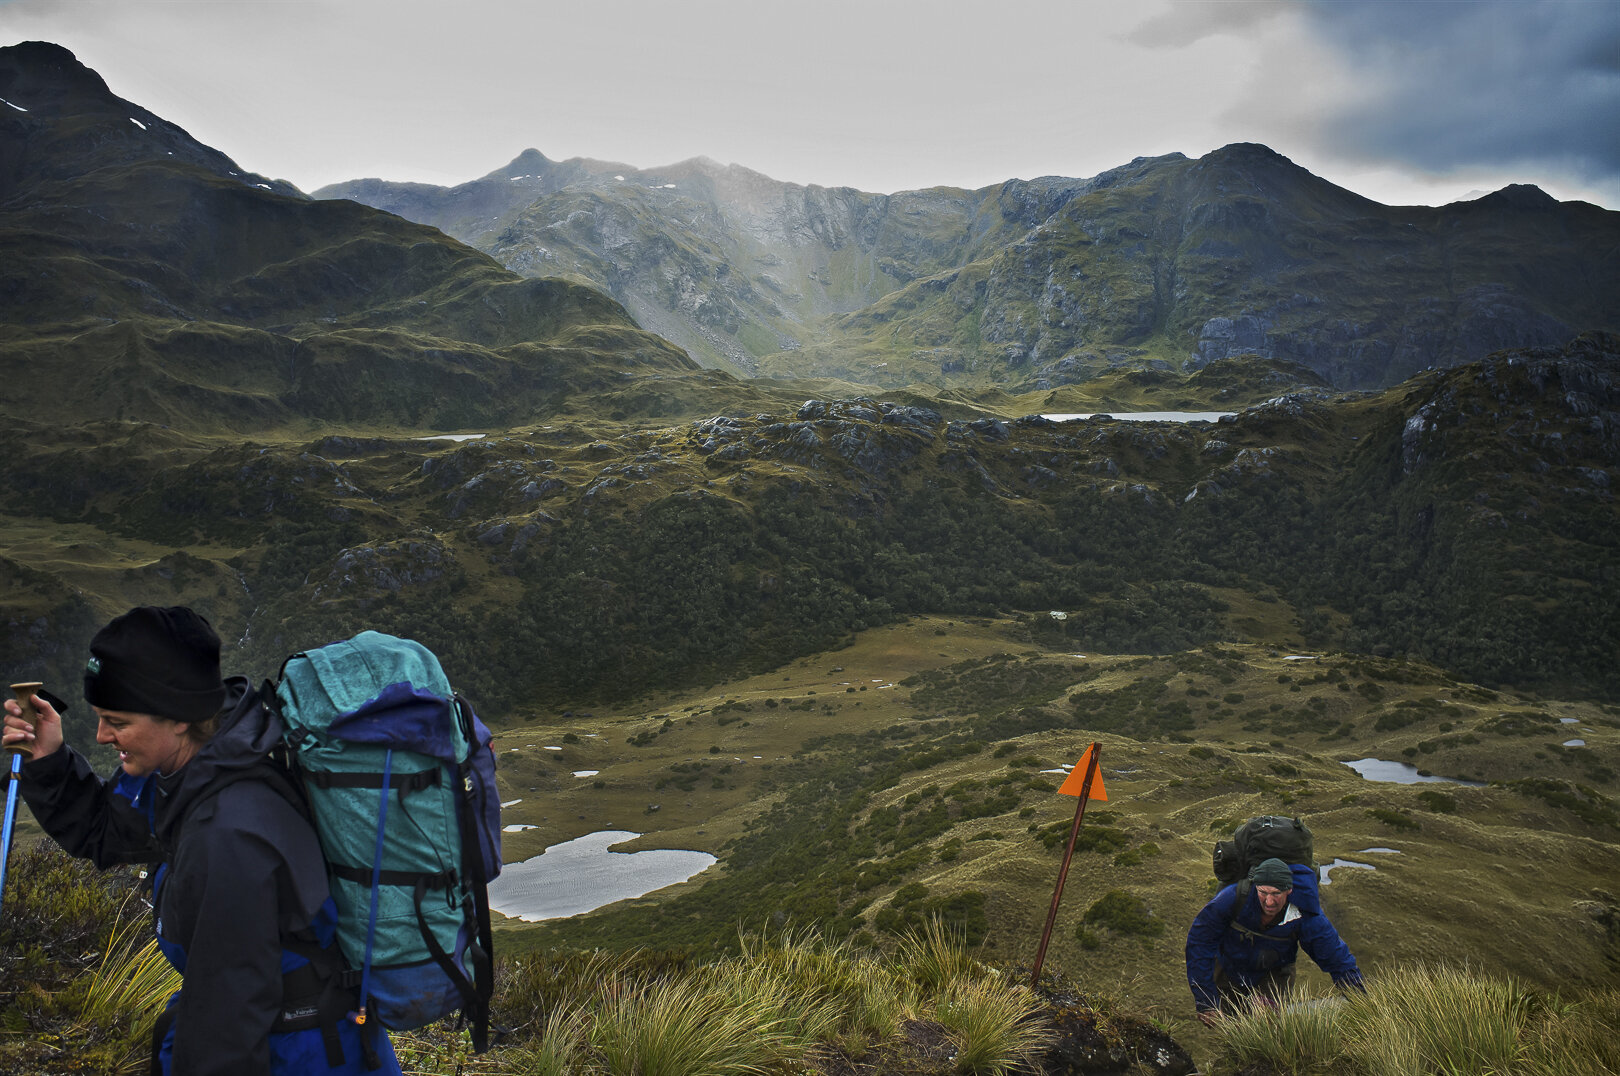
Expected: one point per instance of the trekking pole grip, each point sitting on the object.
(25, 698)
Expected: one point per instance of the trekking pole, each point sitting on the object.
(25, 697)
(1092, 755)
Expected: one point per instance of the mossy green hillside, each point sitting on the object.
(1461, 519)
(149, 280)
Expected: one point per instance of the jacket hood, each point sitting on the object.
(1306, 896)
(247, 732)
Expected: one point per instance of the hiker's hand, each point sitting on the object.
(1209, 1017)
(42, 736)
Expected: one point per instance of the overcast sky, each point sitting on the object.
(1405, 101)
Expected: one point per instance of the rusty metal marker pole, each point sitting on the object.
(25, 696)
(1093, 753)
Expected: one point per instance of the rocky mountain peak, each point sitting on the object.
(530, 158)
(1518, 196)
(46, 72)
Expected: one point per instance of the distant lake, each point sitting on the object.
(1402, 773)
(1147, 416)
(581, 875)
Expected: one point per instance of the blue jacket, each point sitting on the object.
(240, 893)
(1231, 935)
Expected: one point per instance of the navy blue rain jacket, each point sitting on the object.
(1247, 954)
(238, 876)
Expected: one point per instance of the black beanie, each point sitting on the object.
(163, 662)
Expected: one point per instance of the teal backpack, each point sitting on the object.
(399, 779)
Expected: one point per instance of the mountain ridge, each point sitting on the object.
(178, 287)
(62, 111)
(1162, 261)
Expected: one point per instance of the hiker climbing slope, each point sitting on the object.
(1242, 946)
(240, 886)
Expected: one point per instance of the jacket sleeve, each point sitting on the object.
(1204, 944)
(1323, 944)
(89, 817)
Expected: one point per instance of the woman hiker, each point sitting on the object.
(239, 882)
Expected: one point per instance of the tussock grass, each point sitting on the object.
(1437, 1020)
(559, 1048)
(689, 1026)
(131, 985)
(781, 1001)
(935, 956)
(1302, 1037)
(993, 1025)
(1430, 1021)
(78, 988)
(1580, 1038)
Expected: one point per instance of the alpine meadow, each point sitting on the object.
(754, 519)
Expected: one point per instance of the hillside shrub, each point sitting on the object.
(1125, 914)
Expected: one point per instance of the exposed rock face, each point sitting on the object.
(1225, 338)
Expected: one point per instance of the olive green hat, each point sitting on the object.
(1272, 872)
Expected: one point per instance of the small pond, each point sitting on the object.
(1402, 773)
(1146, 416)
(581, 875)
(1324, 870)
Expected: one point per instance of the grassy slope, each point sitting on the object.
(1495, 876)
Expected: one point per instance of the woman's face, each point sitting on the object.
(146, 744)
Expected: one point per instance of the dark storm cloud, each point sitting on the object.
(1491, 82)
(1439, 85)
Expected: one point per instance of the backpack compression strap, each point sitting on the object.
(477, 990)
(483, 949)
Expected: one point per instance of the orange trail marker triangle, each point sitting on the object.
(1075, 782)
